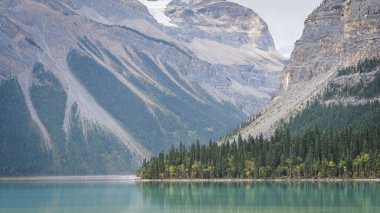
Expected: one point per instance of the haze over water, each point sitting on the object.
(129, 196)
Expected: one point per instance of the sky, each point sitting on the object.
(285, 19)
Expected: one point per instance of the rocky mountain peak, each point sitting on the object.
(337, 34)
(220, 16)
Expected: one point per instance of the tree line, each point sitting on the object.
(313, 154)
(367, 65)
(348, 151)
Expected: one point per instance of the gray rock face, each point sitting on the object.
(337, 34)
(222, 21)
(125, 80)
(229, 35)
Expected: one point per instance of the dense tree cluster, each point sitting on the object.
(368, 65)
(338, 117)
(27, 156)
(22, 149)
(349, 151)
(362, 89)
(311, 154)
(366, 87)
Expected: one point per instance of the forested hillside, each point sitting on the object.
(326, 139)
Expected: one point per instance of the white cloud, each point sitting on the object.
(284, 18)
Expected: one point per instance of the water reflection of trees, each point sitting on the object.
(262, 195)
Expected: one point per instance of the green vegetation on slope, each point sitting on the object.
(362, 89)
(368, 65)
(337, 117)
(22, 148)
(49, 100)
(184, 118)
(206, 120)
(83, 151)
(94, 151)
(367, 86)
(115, 97)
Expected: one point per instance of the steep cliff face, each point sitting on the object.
(104, 85)
(361, 31)
(337, 34)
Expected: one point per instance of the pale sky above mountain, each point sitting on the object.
(284, 18)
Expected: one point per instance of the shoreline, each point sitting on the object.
(326, 180)
(138, 180)
(71, 178)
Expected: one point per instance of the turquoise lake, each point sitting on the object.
(129, 196)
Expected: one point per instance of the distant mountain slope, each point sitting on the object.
(337, 34)
(101, 85)
(226, 34)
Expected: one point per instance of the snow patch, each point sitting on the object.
(157, 10)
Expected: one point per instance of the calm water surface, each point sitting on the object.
(129, 196)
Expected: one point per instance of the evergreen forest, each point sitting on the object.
(321, 141)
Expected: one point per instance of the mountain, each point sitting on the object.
(226, 34)
(94, 87)
(323, 124)
(338, 34)
(337, 135)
